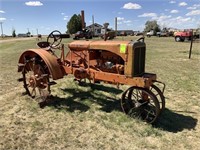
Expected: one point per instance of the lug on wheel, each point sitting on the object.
(36, 82)
(140, 103)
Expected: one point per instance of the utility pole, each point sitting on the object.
(1, 29)
(115, 25)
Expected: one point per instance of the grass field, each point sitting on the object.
(91, 118)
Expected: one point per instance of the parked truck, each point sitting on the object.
(181, 36)
(150, 33)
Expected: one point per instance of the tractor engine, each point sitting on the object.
(110, 62)
(117, 57)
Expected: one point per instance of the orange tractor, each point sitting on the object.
(113, 62)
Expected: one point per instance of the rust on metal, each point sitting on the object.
(83, 19)
(114, 62)
(49, 59)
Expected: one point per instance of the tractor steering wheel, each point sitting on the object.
(54, 38)
(141, 39)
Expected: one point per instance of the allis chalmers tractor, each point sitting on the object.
(114, 62)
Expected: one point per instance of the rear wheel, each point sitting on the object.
(182, 39)
(140, 103)
(36, 81)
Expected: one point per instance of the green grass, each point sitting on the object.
(90, 117)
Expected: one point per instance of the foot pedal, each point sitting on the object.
(52, 83)
(20, 79)
(44, 75)
(21, 65)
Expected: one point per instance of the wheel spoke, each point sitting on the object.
(33, 92)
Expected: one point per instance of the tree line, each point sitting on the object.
(75, 25)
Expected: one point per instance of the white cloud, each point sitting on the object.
(164, 17)
(62, 13)
(148, 15)
(178, 21)
(132, 6)
(119, 23)
(172, 2)
(120, 18)
(2, 19)
(182, 4)
(122, 21)
(127, 21)
(66, 18)
(193, 13)
(1, 11)
(195, 6)
(174, 11)
(34, 3)
(191, 8)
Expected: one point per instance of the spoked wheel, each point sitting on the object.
(159, 95)
(36, 82)
(140, 103)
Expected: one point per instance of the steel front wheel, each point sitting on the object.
(159, 95)
(36, 82)
(140, 103)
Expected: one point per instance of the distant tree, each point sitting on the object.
(165, 29)
(28, 33)
(152, 25)
(74, 24)
(13, 33)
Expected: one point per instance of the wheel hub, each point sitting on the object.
(32, 81)
(140, 103)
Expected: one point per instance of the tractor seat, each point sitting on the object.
(43, 44)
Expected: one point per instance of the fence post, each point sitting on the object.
(190, 52)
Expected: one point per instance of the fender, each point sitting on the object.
(49, 59)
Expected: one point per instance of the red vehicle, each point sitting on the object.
(182, 35)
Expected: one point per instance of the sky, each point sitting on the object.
(44, 16)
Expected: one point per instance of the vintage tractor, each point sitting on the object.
(113, 62)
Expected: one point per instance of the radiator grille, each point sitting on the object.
(139, 61)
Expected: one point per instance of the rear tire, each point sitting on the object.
(36, 81)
